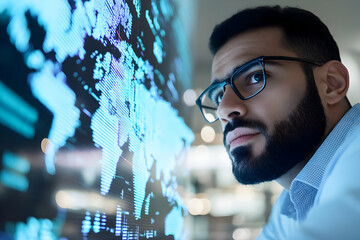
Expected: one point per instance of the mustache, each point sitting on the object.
(239, 122)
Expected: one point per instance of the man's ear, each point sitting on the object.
(335, 80)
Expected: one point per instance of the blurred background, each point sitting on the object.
(219, 207)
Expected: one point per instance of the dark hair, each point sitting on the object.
(304, 32)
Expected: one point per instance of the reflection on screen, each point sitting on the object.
(90, 135)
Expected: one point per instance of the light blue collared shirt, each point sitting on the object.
(323, 201)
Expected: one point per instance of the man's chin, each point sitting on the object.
(251, 170)
(242, 162)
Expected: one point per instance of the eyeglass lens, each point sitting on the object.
(247, 81)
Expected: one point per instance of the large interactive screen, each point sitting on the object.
(91, 134)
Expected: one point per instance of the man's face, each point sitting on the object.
(270, 133)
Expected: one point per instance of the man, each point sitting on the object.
(279, 91)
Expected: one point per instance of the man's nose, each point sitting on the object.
(231, 106)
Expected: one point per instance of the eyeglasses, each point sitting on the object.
(247, 81)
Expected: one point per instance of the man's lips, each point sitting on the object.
(240, 136)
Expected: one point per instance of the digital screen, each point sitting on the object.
(90, 119)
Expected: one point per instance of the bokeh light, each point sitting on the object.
(207, 134)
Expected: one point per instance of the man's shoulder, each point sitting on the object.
(342, 173)
(347, 153)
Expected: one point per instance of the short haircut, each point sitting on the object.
(304, 32)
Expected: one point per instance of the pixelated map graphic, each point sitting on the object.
(118, 69)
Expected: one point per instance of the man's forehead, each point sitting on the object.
(246, 46)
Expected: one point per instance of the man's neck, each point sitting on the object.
(286, 179)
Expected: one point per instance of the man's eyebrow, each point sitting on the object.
(217, 81)
(227, 77)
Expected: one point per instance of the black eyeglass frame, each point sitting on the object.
(230, 80)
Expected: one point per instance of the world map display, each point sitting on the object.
(91, 132)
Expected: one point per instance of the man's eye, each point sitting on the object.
(255, 77)
(216, 96)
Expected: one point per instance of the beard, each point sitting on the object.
(294, 139)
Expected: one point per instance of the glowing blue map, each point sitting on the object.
(108, 73)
